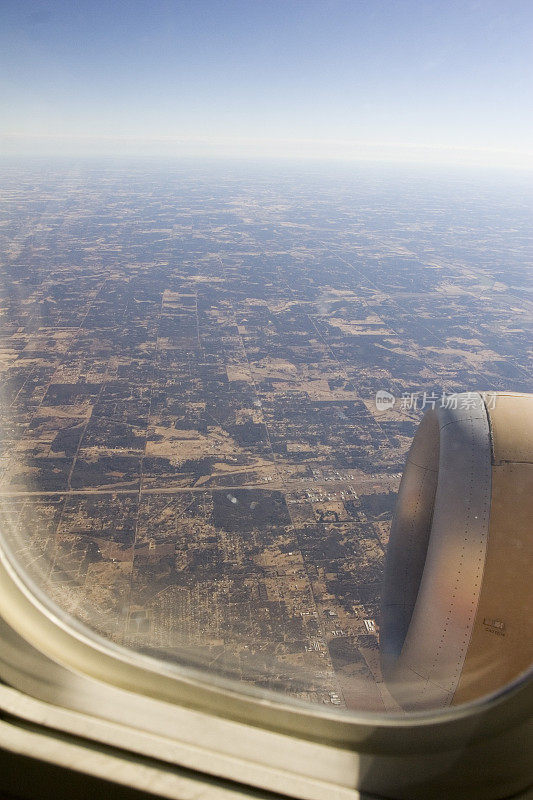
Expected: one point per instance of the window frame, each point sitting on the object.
(214, 727)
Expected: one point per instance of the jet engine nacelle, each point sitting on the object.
(457, 617)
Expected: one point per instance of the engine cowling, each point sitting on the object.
(457, 616)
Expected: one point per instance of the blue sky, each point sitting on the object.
(433, 80)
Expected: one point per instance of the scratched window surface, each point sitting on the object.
(210, 379)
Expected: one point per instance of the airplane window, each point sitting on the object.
(212, 376)
(266, 399)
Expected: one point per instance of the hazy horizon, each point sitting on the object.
(446, 83)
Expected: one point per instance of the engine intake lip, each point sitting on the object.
(436, 554)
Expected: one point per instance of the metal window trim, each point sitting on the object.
(55, 757)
